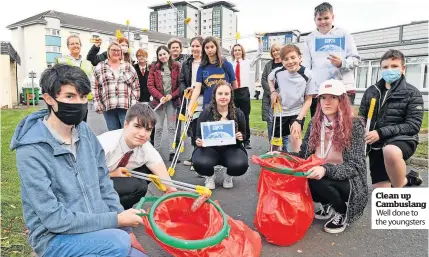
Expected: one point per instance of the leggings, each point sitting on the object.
(328, 191)
(234, 158)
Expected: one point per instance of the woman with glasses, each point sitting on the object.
(116, 87)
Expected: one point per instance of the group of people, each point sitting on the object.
(86, 204)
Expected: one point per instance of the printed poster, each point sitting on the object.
(218, 133)
(331, 45)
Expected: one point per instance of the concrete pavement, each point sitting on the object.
(240, 203)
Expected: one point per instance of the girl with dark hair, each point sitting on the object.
(188, 79)
(233, 157)
(213, 69)
(334, 134)
(163, 85)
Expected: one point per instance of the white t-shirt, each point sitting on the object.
(115, 148)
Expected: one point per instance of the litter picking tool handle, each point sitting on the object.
(178, 123)
(160, 183)
(370, 114)
(171, 169)
(159, 105)
(275, 141)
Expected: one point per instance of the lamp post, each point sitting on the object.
(32, 75)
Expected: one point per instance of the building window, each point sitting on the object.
(413, 74)
(204, 27)
(53, 49)
(53, 32)
(362, 74)
(210, 26)
(196, 15)
(375, 74)
(205, 21)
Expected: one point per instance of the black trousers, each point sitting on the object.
(328, 191)
(245, 107)
(129, 189)
(233, 157)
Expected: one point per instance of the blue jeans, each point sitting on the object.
(270, 134)
(106, 242)
(115, 118)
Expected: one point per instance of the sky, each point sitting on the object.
(254, 16)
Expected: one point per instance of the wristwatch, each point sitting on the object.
(300, 122)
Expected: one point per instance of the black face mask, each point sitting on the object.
(71, 114)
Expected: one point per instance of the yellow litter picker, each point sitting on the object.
(188, 118)
(162, 184)
(368, 120)
(277, 141)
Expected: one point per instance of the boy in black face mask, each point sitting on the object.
(69, 203)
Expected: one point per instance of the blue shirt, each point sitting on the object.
(211, 74)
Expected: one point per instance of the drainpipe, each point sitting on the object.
(16, 79)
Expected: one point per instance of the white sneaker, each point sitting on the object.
(210, 182)
(187, 163)
(227, 181)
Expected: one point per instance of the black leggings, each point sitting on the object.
(328, 191)
(131, 190)
(234, 158)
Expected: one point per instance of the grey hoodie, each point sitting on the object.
(317, 48)
(62, 194)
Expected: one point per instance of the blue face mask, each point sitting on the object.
(391, 75)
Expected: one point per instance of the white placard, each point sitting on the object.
(217, 133)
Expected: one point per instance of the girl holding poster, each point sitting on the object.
(233, 157)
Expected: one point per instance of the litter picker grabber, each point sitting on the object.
(277, 141)
(161, 183)
(157, 107)
(181, 116)
(368, 120)
(171, 169)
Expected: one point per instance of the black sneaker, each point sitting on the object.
(172, 157)
(324, 212)
(413, 179)
(337, 224)
(247, 145)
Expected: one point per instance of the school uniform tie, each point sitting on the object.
(125, 159)
(237, 73)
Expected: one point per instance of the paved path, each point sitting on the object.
(240, 203)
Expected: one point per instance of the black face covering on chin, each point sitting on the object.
(70, 114)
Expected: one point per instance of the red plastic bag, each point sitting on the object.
(285, 207)
(174, 217)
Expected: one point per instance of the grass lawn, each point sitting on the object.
(13, 240)
(257, 124)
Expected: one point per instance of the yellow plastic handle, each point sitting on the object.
(155, 179)
(371, 108)
(277, 141)
(278, 105)
(182, 117)
(203, 190)
(171, 171)
(173, 145)
(182, 149)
